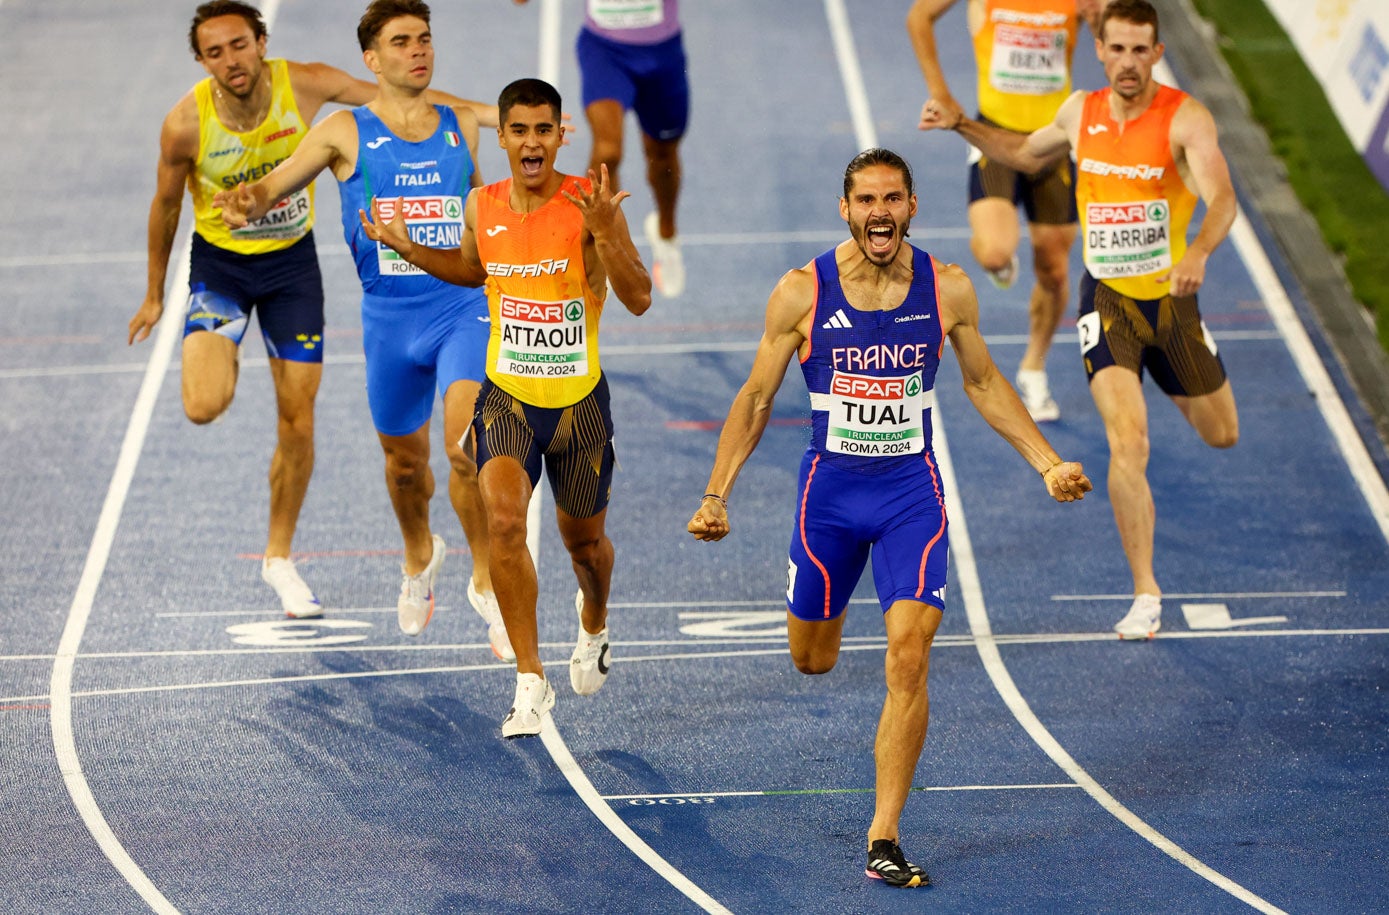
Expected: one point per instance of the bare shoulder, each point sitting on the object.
(178, 136)
(958, 304)
(792, 300)
(315, 84)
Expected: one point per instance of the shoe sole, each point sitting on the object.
(312, 614)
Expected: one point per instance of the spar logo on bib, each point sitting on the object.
(865, 387)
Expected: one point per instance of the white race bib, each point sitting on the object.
(875, 417)
(626, 14)
(1127, 239)
(433, 221)
(1028, 61)
(286, 221)
(542, 339)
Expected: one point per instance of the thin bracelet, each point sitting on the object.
(717, 498)
(1051, 468)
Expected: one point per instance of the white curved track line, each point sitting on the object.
(549, 69)
(60, 684)
(962, 550)
(963, 553)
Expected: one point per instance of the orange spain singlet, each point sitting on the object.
(1022, 55)
(544, 344)
(1134, 205)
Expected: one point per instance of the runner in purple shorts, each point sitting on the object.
(867, 321)
(632, 58)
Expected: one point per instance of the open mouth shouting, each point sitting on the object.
(531, 166)
(880, 240)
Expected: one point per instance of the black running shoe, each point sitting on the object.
(887, 863)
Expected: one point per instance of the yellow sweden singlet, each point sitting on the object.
(544, 344)
(226, 158)
(1022, 53)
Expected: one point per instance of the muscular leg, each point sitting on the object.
(911, 627)
(410, 482)
(994, 233)
(814, 645)
(1051, 248)
(605, 120)
(210, 365)
(296, 387)
(506, 494)
(663, 174)
(459, 403)
(1213, 416)
(591, 554)
(1118, 394)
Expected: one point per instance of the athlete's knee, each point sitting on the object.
(1052, 276)
(464, 467)
(991, 255)
(406, 469)
(906, 664)
(814, 660)
(202, 405)
(1222, 435)
(1129, 447)
(606, 151)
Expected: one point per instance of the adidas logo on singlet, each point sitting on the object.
(838, 319)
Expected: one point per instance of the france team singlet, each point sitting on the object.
(433, 176)
(871, 374)
(868, 484)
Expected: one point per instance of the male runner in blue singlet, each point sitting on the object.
(248, 114)
(419, 333)
(868, 320)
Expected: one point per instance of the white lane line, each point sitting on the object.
(549, 69)
(791, 792)
(604, 812)
(969, 573)
(1203, 595)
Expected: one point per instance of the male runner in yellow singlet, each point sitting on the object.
(547, 246)
(249, 114)
(1145, 153)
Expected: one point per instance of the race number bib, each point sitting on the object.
(433, 221)
(1028, 61)
(1127, 239)
(287, 220)
(542, 339)
(626, 14)
(875, 417)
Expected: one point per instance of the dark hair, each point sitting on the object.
(877, 156)
(528, 93)
(1139, 12)
(224, 8)
(381, 12)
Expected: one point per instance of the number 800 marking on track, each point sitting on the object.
(296, 633)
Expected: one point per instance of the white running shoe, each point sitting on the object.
(588, 666)
(295, 597)
(667, 263)
(1035, 391)
(1143, 620)
(534, 699)
(416, 603)
(486, 607)
(1007, 275)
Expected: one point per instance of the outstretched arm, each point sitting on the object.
(324, 145)
(782, 336)
(316, 84)
(993, 396)
(1029, 153)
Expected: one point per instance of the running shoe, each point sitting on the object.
(1035, 392)
(486, 607)
(295, 597)
(534, 699)
(588, 665)
(1143, 620)
(1005, 276)
(887, 863)
(416, 603)
(668, 264)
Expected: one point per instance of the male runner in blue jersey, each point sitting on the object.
(868, 320)
(418, 332)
